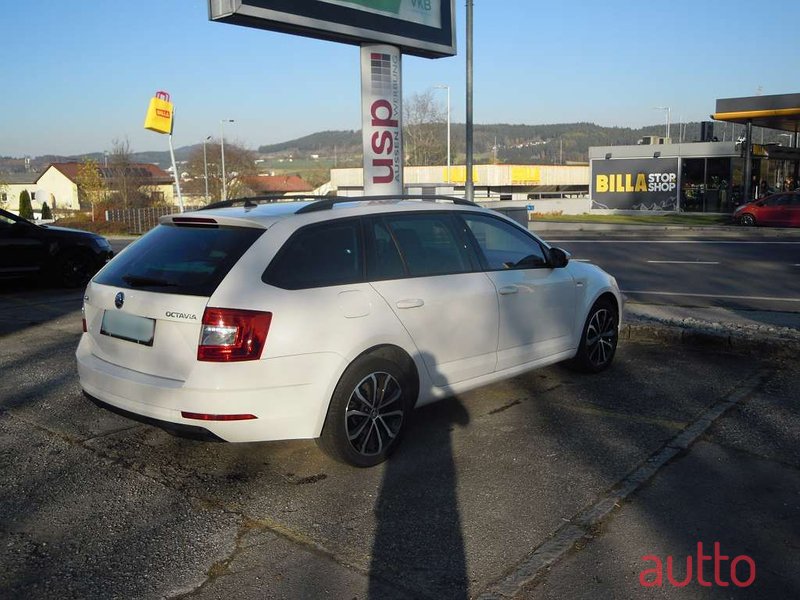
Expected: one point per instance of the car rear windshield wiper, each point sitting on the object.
(142, 281)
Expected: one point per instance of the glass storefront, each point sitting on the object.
(713, 184)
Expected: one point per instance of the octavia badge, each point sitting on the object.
(119, 299)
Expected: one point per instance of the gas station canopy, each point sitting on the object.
(780, 111)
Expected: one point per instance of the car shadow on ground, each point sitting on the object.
(25, 303)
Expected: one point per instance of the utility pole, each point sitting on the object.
(447, 87)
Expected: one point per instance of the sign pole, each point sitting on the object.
(382, 119)
(175, 174)
(469, 188)
(160, 118)
(174, 166)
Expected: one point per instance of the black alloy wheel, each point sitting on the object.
(374, 414)
(599, 338)
(367, 414)
(74, 268)
(747, 220)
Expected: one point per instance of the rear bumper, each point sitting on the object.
(292, 407)
(187, 431)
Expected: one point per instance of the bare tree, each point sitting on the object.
(425, 130)
(239, 162)
(127, 182)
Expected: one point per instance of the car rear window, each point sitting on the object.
(179, 260)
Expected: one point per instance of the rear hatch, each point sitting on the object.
(144, 310)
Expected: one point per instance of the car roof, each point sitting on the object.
(247, 212)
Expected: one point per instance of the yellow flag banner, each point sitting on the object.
(159, 114)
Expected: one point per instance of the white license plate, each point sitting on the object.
(131, 328)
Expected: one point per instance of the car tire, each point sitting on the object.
(368, 412)
(74, 268)
(598, 338)
(747, 220)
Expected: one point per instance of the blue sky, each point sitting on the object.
(78, 74)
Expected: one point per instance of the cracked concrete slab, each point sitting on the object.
(76, 525)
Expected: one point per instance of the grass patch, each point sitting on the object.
(671, 219)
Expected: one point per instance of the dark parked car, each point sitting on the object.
(66, 257)
(779, 210)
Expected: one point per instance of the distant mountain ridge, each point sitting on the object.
(503, 142)
(322, 140)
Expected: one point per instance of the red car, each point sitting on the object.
(779, 210)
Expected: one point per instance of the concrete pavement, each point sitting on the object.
(95, 506)
(738, 485)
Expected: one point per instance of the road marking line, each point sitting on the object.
(578, 528)
(721, 296)
(667, 242)
(683, 262)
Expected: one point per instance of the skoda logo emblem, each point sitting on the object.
(119, 299)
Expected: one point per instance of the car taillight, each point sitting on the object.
(83, 317)
(233, 335)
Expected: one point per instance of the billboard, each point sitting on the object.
(381, 119)
(419, 27)
(635, 184)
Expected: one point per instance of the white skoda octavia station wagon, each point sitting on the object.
(332, 319)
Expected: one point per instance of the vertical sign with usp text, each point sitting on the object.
(381, 117)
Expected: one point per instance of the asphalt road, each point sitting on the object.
(746, 271)
(742, 269)
(96, 506)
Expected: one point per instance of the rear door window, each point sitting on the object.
(179, 260)
(383, 257)
(319, 255)
(429, 244)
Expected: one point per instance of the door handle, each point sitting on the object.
(509, 289)
(410, 303)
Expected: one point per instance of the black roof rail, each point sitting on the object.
(256, 200)
(329, 203)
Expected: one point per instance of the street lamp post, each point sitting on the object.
(785, 165)
(666, 109)
(222, 153)
(447, 87)
(205, 165)
(469, 184)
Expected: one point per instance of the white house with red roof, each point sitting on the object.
(58, 185)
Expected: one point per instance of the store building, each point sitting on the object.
(706, 176)
(690, 177)
(491, 182)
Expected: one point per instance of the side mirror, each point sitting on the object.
(558, 258)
